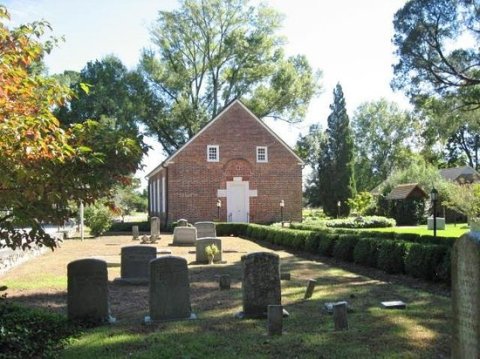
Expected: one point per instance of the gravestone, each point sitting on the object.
(224, 282)
(135, 264)
(340, 316)
(155, 228)
(440, 223)
(87, 297)
(135, 233)
(202, 243)
(184, 236)
(205, 229)
(169, 289)
(182, 223)
(310, 288)
(275, 319)
(466, 295)
(261, 283)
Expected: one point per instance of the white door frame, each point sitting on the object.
(238, 204)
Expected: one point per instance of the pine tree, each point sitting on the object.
(335, 169)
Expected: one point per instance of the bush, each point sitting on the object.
(31, 333)
(344, 247)
(366, 252)
(424, 261)
(361, 222)
(232, 229)
(98, 218)
(312, 241)
(127, 226)
(326, 244)
(391, 256)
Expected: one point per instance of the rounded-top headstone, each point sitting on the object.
(135, 262)
(169, 288)
(261, 283)
(87, 298)
(466, 296)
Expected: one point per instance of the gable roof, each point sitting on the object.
(220, 114)
(407, 190)
(453, 174)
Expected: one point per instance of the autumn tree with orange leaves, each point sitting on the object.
(42, 166)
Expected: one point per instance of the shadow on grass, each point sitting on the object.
(420, 331)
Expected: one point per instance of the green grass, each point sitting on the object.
(420, 331)
(449, 231)
(37, 281)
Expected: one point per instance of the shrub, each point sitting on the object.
(326, 244)
(127, 226)
(391, 256)
(98, 218)
(344, 247)
(361, 222)
(407, 237)
(31, 333)
(366, 252)
(312, 241)
(424, 261)
(229, 229)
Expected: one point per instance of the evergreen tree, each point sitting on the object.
(335, 169)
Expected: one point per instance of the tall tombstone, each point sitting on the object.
(155, 228)
(87, 297)
(135, 264)
(135, 233)
(202, 243)
(466, 295)
(169, 289)
(205, 229)
(261, 283)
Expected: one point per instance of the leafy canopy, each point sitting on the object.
(208, 53)
(43, 167)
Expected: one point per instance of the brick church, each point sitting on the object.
(235, 169)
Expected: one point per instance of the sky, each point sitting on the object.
(348, 40)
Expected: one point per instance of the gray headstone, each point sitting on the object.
(135, 233)
(169, 289)
(155, 228)
(135, 264)
(261, 283)
(224, 282)
(340, 316)
(205, 229)
(87, 298)
(275, 319)
(440, 223)
(182, 223)
(310, 288)
(184, 236)
(202, 243)
(466, 296)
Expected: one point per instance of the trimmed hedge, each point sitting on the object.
(361, 222)
(425, 261)
(366, 252)
(127, 226)
(344, 247)
(391, 256)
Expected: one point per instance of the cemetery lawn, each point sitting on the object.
(450, 230)
(420, 331)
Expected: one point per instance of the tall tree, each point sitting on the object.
(42, 166)
(437, 46)
(309, 147)
(384, 136)
(211, 52)
(335, 170)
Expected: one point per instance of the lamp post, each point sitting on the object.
(434, 198)
(219, 205)
(282, 204)
(339, 204)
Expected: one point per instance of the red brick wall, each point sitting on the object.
(193, 182)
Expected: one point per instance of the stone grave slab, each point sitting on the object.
(184, 236)
(135, 264)
(205, 229)
(202, 243)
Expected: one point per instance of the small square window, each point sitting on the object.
(213, 153)
(262, 154)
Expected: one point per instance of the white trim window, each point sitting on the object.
(262, 154)
(213, 153)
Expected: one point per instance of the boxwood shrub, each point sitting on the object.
(232, 229)
(327, 244)
(127, 226)
(366, 252)
(344, 246)
(391, 256)
(425, 261)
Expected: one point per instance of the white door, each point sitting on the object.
(237, 201)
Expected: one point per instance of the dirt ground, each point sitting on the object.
(42, 281)
(127, 302)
